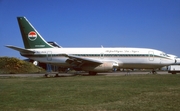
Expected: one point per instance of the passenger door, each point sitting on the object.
(49, 55)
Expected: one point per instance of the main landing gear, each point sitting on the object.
(92, 73)
(153, 72)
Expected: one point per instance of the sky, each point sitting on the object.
(91, 23)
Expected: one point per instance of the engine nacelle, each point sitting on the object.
(105, 67)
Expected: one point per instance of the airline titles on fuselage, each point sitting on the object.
(122, 51)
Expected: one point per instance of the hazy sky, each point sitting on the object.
(92, 23)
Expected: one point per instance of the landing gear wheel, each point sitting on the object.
(47, 75)
(92, 73)
(154, 72)
(56, 75)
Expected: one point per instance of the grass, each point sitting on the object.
(91, 93)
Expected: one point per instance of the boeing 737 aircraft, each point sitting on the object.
(92, 60)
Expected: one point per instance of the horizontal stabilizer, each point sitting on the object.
(19, 49)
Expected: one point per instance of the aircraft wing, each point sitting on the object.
(80, 60)
(20, 49)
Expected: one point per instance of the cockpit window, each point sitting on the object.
(164, 54)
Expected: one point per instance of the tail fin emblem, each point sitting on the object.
(32, 35)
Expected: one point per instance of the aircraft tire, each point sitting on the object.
(92, 73)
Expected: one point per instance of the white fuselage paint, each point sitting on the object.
(126, 57)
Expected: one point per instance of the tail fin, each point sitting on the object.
(31, 38)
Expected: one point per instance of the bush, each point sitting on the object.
(12, 65)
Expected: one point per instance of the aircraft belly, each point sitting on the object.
(141, 66)
(140, 63)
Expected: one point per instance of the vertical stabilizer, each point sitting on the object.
(31, 38)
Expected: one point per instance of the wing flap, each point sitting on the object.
(80, 60)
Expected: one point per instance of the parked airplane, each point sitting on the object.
(92, 60)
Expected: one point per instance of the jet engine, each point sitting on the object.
(105, 67)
